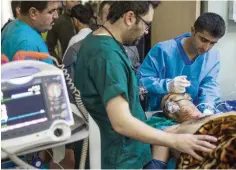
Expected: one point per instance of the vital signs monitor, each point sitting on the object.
(35, 108)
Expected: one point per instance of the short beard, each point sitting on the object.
(134, 43)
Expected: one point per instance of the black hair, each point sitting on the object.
(119, 8)
(213, 23)
(83, 13)
(14, 5)
(39, 5)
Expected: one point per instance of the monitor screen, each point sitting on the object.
(22, 107)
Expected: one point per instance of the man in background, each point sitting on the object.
(15, 7)
(81, 16)
(24, 32)
(62, 31)
(103, 11)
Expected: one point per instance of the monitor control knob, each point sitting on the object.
(58, 132)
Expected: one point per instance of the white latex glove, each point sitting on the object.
(207, 112)
(178, 85)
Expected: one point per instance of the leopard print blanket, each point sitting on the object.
(224, 155)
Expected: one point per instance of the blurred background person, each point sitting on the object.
(103, 11)
(81, 16)
(15, 6)
(62, 31)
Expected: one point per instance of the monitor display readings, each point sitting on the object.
(22, 107)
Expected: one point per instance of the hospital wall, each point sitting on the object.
(172, 18)
(227, 49)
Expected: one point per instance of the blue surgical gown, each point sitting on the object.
(167, 60)
(18, 36)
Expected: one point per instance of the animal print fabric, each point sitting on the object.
(224, 155)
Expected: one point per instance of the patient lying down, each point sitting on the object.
(179, 108)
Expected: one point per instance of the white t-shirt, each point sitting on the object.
(79, 36)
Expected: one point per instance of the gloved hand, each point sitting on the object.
(178, 85)
(207, 112)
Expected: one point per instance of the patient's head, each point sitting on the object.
(179, 107)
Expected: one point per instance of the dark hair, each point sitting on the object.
(104, 3)
(82, 13)
(14, 5)
(39, 5)
(119, 8)
(213, 23)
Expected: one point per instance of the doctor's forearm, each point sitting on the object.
(138, 130)
(124, 123)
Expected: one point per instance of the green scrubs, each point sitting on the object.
(103, 72)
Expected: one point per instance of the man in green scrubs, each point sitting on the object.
(109, 90)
